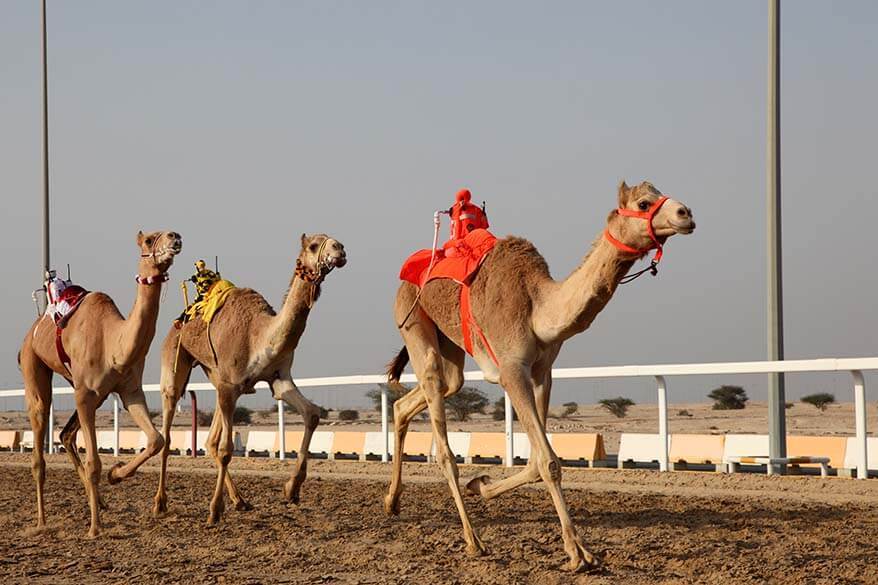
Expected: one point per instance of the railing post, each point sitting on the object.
(281, 434)
(384, 431)
(194, 441)
(50, 447)
(507, 410)
(860, 415)
(663, 421)
(116, 425)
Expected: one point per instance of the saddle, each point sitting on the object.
(72, 296)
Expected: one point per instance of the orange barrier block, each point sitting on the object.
(418, 444)
(697, 449)
(130, 441)
(486, 445)
(292, 440)
(832, 447)
(347, 443)
(579, 446)
(9, 440)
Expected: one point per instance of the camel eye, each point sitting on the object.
(643, 205)
(313, 247)
(149, 241)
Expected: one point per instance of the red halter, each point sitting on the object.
(648, 215)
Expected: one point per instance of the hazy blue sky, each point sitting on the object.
(241, 125)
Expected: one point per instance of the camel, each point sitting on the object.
(107, 354)
(525, 316)
(247, 343)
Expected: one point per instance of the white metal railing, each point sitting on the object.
(659, 372)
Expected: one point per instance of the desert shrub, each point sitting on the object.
(728, 398)
(618, 407)
(499, 412)
(324, 413)
(348, 415)
(242, 415)
(684, 412)
(465, 402)
(395, 391)
(788, 405)
(204, 418)
(570, 408)
(820, 400)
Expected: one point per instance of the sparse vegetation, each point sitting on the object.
(324, 413)
(570, 409)
(465, 402)
(242, 415)
(684, 412)
(499, 412)
(820, 400)
(395, 391)
(728, 398)
(618, 407)
(788, 405)
(204, 418)
(348, 415)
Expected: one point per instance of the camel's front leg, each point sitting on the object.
(86, 404)
(212, 446)
(404, 410)
(226, 399)
(68, 439)
(135, 403)
(285, 389)
(173, 384)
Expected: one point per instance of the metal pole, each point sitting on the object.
(507, 411)
(116, 425)
(663, 422)
(384, 430)
(860, 414)
(776, 392)
(281, 434)
(194, 441)
(45, 150)
(50, 447)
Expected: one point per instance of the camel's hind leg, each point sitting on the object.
(227, 396)
(519, 385)
(68, 439)
(285, 389)
(407, 407)
(212, 445)
(421, 339)
(38, 394)
(134, 402)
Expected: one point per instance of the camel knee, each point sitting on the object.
(155, 443)
(38, 464)
(550, 470)
(312, 416)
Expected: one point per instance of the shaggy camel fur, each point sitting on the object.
(252, 344)
(107, 354)
(526, 316)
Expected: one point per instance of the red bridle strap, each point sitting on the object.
(647, 215)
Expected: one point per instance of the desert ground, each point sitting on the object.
(680, 527)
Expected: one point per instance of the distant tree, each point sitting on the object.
(570, 409)
(820, 400)
(348, 415)
(499, 412)
(204, 418)
(788, 405)
(465, 402)
(324, 413)
(242, 415)
(728, 398)
(617, 406)
(684, 412)
(395, 391)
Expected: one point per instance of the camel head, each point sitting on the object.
(631, 228)
(157, 251)
(321, 253)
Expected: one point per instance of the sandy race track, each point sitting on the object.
(684, 527)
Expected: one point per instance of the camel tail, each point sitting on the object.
(397, 365)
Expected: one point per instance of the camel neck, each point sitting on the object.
(289, 324)
(138, 329)
(569, 307)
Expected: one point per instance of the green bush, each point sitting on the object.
(395, 391)
(570, 409)
(465, 402)
(728, 398)
(820, 400)
(499, 412)
(242, 415)
(618, 407)
(348, 415)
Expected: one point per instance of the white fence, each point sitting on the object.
(659, 372)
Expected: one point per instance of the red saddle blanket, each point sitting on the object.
(73, 296)
(458, 259)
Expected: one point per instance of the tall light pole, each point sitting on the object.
(776, 392)
(45, 151)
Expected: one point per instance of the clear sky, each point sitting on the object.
(242, 125)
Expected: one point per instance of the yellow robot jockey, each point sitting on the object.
(204, 278)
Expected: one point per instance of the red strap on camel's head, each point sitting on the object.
(647, 215)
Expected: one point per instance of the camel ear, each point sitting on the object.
(140, 238)
(304, 240)
(624, 194)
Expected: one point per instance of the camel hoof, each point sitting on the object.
(111, 478)
(291, 492)
(391, 505)
(474, 486)
(583, 562)
(243, 506)
(160, 507)
(94, 532)
(476, 548)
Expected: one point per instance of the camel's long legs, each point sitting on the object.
(227, 396)
(86, 404)
(285, 389)
(38, 393)
(519, 385)
(407, 407)
(212, 446)
(135, 403)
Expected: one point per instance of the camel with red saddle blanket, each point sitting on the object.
(99, 352)
(519, 318)
(245, 343)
